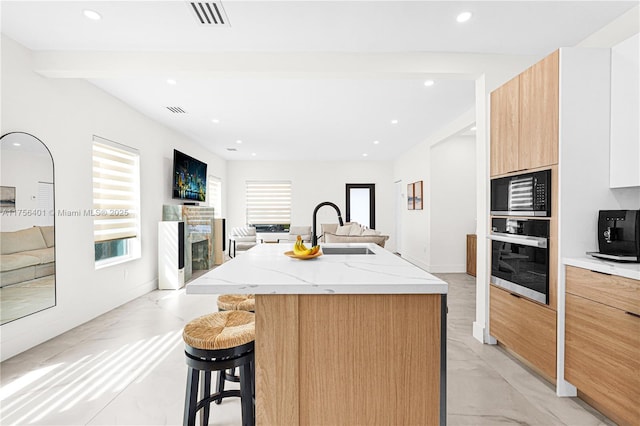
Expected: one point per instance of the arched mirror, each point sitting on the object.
(27, 227)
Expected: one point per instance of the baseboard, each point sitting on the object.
(564, 388)
(478, 331)
(481, 335)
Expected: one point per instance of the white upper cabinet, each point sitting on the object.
(625, 126)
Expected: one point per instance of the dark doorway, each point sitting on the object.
(361, 204)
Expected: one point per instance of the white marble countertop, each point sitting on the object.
(265, 269)
(629, 270)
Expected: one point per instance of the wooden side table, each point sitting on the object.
(471, 254)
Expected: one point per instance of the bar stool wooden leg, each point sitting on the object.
(247, 397)
(206, 390)
(220, 386)
(191, 399)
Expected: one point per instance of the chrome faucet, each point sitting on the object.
(315, 213)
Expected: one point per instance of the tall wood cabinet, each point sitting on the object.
(563, 111)
(524, 119)
(524, 136)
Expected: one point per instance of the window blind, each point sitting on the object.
(268, 202)
(214, 193)
(116, 191)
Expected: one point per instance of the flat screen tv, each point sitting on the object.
(189, 178)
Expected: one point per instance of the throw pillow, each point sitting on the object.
(370, 232)
(343, 230)
(356, 230)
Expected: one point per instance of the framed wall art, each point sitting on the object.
(410, 198)
(417, 195)
(8, 198)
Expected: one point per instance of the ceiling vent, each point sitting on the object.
(209, 13)
(176, 110)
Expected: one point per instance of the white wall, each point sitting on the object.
(584, 150)
(23, 170)
(418, 243)
(452, 203)
(64, 114)
(312, 183)
(411, 167)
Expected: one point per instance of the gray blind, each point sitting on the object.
(268, 202)
(116, 191)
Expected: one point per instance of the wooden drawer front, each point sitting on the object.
(524, 327)
(618, 292)
(602, 357)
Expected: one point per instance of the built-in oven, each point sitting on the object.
(520, 257)
(527, 194)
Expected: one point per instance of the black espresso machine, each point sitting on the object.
(618, 235)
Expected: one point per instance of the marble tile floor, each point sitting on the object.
(25, 298)
(126, 367)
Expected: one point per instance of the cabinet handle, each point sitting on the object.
(601, 273)
(633, 314)
(515, 295)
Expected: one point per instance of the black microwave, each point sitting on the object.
(527, 194)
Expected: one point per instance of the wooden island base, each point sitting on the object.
(342, 359)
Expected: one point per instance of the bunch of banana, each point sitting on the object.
(301, 250)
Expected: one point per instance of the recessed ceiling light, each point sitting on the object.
(394, 121)
(473, 129)
(215, 120)
(92, 14)
(429, 83)
(238, 141)
(17, 144)
(376, 142)
(463, 17)
(365, 155)
(171, 81)
(253, 154)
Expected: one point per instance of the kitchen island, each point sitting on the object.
(342, 339)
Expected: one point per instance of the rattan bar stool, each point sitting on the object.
(217, 342)
(237, 302)
(233, 302)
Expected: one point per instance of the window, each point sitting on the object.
(116, 202)
(214, 194)
(45, 204)
(361, 204)
(268, 202)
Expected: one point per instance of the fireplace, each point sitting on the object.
(200, 255)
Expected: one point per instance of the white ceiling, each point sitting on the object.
(288, 102)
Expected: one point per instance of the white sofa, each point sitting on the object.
(351, 233)
(26, 254)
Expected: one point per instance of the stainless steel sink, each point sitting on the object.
(346, 250)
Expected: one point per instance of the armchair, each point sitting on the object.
(303, 231)
(241, 238)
